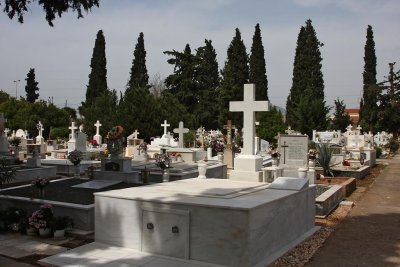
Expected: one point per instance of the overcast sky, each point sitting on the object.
(61, 54)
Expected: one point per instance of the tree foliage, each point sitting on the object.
(271, 123)
(31, 87)
(257, 64)
(368, 104)
(341, 118)
(207, 79)
(18, 8)
(306, 108)
(389, 102)
(139, 76)
(234, 75)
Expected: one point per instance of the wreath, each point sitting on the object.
(115, 132)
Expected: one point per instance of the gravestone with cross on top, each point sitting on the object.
(97, 136)
(247, 164)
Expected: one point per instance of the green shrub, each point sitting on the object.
(378, 152)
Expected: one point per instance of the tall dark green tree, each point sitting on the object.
(368, 104)
(207, 78)
(182, 82)
(31, 87)
(98, 75)
(306, 108)
(139, 76)
(270, 124)
(234, 75)
(18, 8)
(257, 64)
(341, 118)
(389, 102)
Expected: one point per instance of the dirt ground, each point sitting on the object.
(302, 253)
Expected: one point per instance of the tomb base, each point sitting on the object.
(247, 168)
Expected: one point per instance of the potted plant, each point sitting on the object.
(163, 161)
(324, 159)
(42, 219)
(61, 223)
(76, 157)
(14, 218)
(41, 183)
(7, 172)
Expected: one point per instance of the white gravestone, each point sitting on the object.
(293, 150)
(97, 136)
(247, 164)
(39, 138)
(72, 141)
(181, 131)
(3, 139)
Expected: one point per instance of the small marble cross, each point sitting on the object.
(181, 131)
(97, 125)
(165, 125)
(73, 128)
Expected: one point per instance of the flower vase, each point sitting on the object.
(77, 171)
(311, 164)
(165, 175)
(45, 232)
(220, 157)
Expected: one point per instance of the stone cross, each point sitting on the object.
(81, 128)
(348, 128)
(229, 127)
(181, 131)
(6, 131)
(289, 130)
(135, 134)
(249, 107)
(165, 125)
(73, 128)
(358, 129)
(97, 125)
(284, 146)
(2, 121)
(40, 128)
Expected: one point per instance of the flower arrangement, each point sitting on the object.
(143, 146)
(115, 132)
(274, 152)
(163, 160)
(75, 157)
(218, 146)
(93, 143)
(43, 217)
(41, 182)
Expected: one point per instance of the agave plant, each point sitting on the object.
(324, 158)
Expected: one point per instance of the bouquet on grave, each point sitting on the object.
(163, 160)
(274, 152)
(43, 217)
(218, 146)
(143, 146)
(41, 182)
(75, 157)
(15, 141)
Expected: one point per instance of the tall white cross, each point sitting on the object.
(2, 121)
(73, 128)
(97, 125)
(165, 125)
(6, 131)
(135, 134)
(181, 131)
(249, 107)
(40, 128)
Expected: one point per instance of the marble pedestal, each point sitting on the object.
(247, 168)
(218, 221)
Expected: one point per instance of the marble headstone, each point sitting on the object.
(293, 150)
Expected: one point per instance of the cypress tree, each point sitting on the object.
(98, 75)
(207, 78)
(139, 76)
(31, 86)
(368, 104)
(182, 82)
(306, 107)
(258, 71)
(234, 75)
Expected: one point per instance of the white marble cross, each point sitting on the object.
(289, 130)
(2, 121)
(6, 131)
(248, 106)
(97, 125)
(73, 128)
(135, 134)
(181, 131)
(81, 128)
(348, 128)
(165, 125)
(40, 128)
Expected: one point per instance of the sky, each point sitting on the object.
(61, 54)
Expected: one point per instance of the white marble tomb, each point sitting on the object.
(217, 221)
